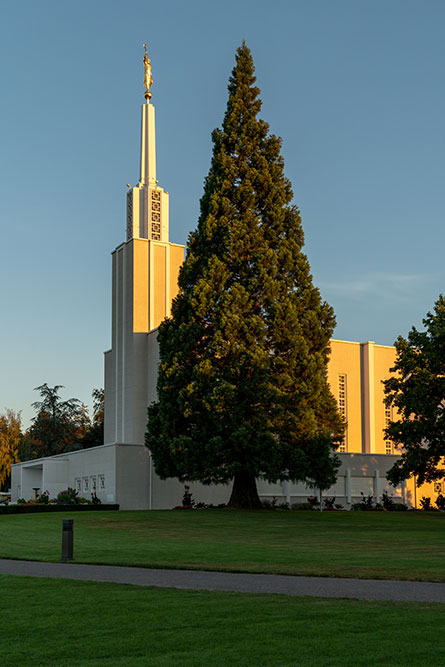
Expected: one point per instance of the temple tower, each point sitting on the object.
(145, 274)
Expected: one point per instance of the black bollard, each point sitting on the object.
(67, 540)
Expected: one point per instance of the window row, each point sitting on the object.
(91, 483)
(342, 400)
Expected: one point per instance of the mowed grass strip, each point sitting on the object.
(57, 622)
(344, 544)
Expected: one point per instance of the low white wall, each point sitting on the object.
(87, 470)
(169, 493)
(358, 473)
(123, 474)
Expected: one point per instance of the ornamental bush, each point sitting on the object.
(67, 497)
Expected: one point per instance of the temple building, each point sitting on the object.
(144, 281)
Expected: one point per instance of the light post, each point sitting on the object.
(67, 540)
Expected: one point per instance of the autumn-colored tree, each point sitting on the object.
(10, 435)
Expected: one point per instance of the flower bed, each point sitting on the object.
(66, 500)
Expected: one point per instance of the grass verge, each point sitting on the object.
(364, 544)
(56, 622)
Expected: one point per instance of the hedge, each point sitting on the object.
(32, 509)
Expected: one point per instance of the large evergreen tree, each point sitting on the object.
(242, 389)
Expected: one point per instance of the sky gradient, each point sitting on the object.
(354, 88)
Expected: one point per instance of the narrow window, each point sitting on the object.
(343, 409)
(155, 215)
(389, 445)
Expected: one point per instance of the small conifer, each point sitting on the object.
(242, 388)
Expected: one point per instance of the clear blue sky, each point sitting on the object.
(355, 89)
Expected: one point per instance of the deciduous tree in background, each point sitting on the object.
(94, 435)
(417, 391)
(10, 435)
(242, 388)
(58, 424)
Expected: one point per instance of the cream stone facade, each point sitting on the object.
(355, 374)
(145, 269)
(144, 283)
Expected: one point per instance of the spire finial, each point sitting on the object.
(148, 79)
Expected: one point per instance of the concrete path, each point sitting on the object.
(364, 589)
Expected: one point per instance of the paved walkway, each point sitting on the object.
(364, 589)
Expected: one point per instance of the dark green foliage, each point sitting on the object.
(387, 501)
(367, 502)
(417, 391)
(94, 434)
(43, 498)
(399, 507)
(56, 425)
(242, 389)
(425, 504)
(440, 502)
(28, 448)
(38, 509)
(303, 506)
(329, 503)
(62, 426)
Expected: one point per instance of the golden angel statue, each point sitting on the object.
(148, 79)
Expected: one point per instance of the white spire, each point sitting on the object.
(148, 145)
(147, 203)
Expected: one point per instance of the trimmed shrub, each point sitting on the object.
(425, 504)
(440, 502)
(399, 507)
(34, 509)
(302, 506)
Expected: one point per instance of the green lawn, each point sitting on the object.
(48, 622)
(353, 544)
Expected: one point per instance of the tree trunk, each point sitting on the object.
(244, 492)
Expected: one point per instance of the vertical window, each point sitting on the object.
(129, 215)
(78, 484)
(389, 445)
(86, 485)
(343, 409)
(155, 215)
(101, 482)
(93, 482)
(437, 487)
